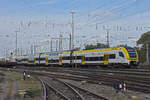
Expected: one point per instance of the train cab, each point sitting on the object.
(132, 55)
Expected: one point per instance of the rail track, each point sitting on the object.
(133, 83)
(44, 89)
(136, 86)
(68, 91)
(52, 93)
(139, 71)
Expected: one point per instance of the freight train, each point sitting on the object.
(126, 56)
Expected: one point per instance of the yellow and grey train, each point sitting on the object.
(96, 57)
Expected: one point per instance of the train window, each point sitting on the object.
(78, 57)
(66, 58)
(24, 59)
(112, 56)
(73, 57)
(42, 59)
(96, 58)
(53, 61)
(92, 58)
(37, 58)
(101, 59)
(18, 60)
(121, 54)
(132, 54)
(87, 58)
(31, 61)
(56, 60)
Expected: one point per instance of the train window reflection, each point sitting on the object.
(121, 54)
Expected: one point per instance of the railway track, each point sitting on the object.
(87, 92)
(133, 83)
(141, 71)
(94, 68)
(97, 71)
(104, 80)
(68, 91)
(44, 89)
(52, 93)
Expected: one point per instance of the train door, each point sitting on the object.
(46, 60)
(60, 60)
(34, 60)
(105, 58)
(83, 59)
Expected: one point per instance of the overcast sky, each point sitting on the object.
(40, 20)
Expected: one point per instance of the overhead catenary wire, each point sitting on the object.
(101, 6)
(119, 17)
(106, 19)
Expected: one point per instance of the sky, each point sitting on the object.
(37, 21)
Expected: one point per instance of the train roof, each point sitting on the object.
(81, 51)
(100, 49)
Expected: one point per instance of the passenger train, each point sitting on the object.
(126, 56)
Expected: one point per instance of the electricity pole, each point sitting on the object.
(147, 54)
(51, 45)
(60, 42)
(96, 24)
(16, 42)
(72, 40)
(32, 49)
(56, 44)
(108, 38)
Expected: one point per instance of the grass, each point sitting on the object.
(29, 89)
(10, 89)
(2, 79)
(32, 92)
(1, 74)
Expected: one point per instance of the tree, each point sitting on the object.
(145, 37)
(142, 51)
(98, 45)
(77, 48)
(122, 45)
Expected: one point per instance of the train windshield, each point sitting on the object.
(131, 52)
